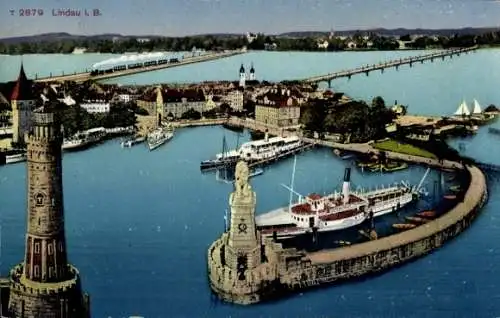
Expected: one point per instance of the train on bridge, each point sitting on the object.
(130, 66)
(135, 61)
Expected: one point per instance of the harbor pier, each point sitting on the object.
(245, 268)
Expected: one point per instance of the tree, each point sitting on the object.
(405, 38)
(249, 106)
(225, 108)
(191, 114)
(378, 102)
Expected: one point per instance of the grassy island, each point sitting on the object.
(395, 146)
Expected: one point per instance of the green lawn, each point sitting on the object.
(392, 145)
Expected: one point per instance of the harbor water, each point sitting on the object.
(138, 223)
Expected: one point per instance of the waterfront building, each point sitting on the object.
(277, 108)
(171, 102)
(177, 102)
(149, 101)
(22, 102)
(45, 284)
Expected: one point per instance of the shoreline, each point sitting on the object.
(482, 46)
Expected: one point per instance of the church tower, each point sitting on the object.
(252, 73)
(22, 102)
(243, 76)
(243, 246)
(45, 284)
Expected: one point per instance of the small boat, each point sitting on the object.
(343, 243)
(133, 141)
(416, 219)
(256, 172)
(159, 136)
(82, 140)
(427, 214)
(372, 235)
(367, 164)
(391, 167)
(344, 155)
(404, 226)
(455, 188)
(450, 197)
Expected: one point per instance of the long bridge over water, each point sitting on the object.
(84, 76)
(388, 64)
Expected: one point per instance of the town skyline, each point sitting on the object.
(193, 17)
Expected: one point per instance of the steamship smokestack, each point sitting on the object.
(345, 186)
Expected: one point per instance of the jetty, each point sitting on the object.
(84, 76)
(388, 64)
(245, 268)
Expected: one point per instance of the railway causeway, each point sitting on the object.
(82, 77)
(388, 64)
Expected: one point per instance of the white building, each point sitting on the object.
(98, 106)
(323, 44)
(251, 37)
(234, 99)
(246, 77)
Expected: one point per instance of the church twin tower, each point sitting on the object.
(45, 284)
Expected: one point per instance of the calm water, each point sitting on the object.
(139, 223)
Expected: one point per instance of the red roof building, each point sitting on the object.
(23, 89)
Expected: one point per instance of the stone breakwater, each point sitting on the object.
(275, 271)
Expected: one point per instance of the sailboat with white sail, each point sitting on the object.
(477, 108)
(462, 110)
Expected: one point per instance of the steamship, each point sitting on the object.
(335, 211)
(84, 139)
(254, 151)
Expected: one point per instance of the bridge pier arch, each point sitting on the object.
(382, 70)
(349, 76)
(397, 67)
(367, 73)
(442, 57)
(422, 61)
(411, 64)
(329, 83)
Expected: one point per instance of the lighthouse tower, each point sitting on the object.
(252, 73)
(243, 76)
(45, 284)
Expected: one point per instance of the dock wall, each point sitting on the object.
(353, 261)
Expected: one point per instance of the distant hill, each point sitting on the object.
(396, 32)
(61, 36)
(52, 37)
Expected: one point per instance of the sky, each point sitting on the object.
(187, 17)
